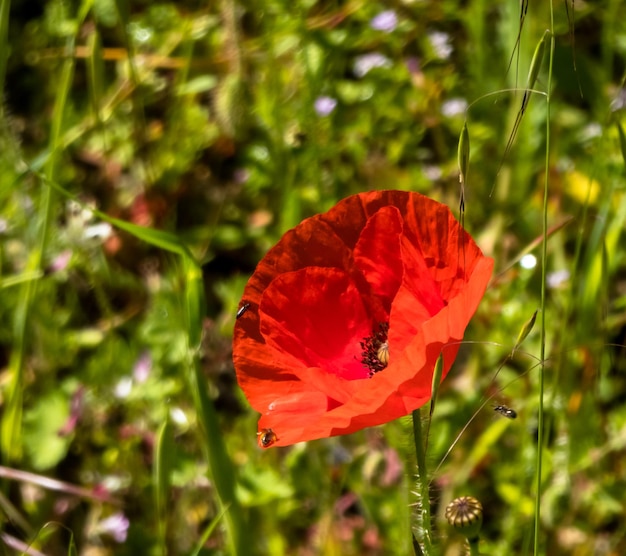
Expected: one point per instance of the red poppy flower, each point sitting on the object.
(346, 316)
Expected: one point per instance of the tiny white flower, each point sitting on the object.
(454, 107)
(557, 278)
(100, 231)
(528, 261)
(123, 387)
(367, 62)
(441, 44)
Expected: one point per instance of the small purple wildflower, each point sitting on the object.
(142, 367)
(116, 526)
(413, 65)
(76, 410)
(241, 175)
(367, 62)
(386, 21)
(61, 261)
(325, 105)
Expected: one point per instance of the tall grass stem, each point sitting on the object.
(544, 265)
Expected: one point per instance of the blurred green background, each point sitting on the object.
(210, 128)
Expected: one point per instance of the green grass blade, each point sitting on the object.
(533, 74)
(220, 465)
(535, 64)
(524, 332)
(436, 383)
(516, 47)
(158, 238)
(206, 534)
(20, 279)
(162, 469)
(95, 76)
(11, 444)
(622, 141)
(463, 162)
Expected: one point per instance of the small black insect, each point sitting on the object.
(266, 438)
(505, 411)
(243, 309)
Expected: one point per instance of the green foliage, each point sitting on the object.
(42, 423)
(151, 153)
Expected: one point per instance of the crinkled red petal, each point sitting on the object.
(378, 254)
(316, 315)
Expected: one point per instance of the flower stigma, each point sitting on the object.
(375, 350)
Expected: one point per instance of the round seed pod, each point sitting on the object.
(465, 514)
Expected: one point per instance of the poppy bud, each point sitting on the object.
(465, 514)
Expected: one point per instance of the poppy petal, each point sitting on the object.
(325, 330)
(377, 253)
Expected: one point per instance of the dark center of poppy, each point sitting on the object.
(375, 349)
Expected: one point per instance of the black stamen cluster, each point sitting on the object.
(370, 346)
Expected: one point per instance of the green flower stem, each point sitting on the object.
(473, 544)
(422, 486)
(417, 549)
